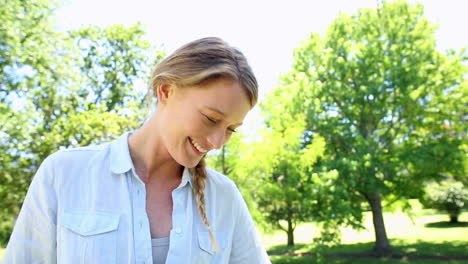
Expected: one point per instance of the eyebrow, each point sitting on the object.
(221, 113)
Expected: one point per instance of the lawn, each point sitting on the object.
(425, 234)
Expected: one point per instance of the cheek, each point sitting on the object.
(196, 128)
(174, 130)
(191, 126)
(185, 121)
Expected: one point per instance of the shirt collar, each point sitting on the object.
(186, 178)
(121, 161)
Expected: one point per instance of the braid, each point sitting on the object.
(199, 180)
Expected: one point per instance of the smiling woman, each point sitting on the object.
(147, 197)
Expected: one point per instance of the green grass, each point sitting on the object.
(401, 247)
(398, 225)
(309, 260)
(425, 233)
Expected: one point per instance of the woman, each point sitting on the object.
(147, 196)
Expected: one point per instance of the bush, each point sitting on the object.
(6, 227)
(450, 196)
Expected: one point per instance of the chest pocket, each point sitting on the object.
(206, 251)
(87, 237)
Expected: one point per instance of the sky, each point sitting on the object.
(265, 31)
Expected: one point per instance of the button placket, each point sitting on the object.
(178, 212)
(140, 227)
(181, 229)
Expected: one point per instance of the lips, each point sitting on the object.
(197, 148)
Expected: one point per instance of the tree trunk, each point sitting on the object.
(453, 216)
(290, 233)
(453, 219)
(382, 245)
(223, 160)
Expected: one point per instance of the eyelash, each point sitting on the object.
(215, 122)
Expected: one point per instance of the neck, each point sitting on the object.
(150, 157)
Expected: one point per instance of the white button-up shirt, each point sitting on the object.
(87, 205)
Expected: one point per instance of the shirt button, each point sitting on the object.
(178, 230)
(180, 203)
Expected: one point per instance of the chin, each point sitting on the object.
(191, 164)
(188, 162)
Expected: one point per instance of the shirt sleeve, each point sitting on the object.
(247, 246)
(34, 236)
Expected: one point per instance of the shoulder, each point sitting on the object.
(219, 179)
(83, 152)
(222, 184)
(79, 157)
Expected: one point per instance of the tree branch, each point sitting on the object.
(281, 227)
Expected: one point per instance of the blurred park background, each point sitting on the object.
(357, 152)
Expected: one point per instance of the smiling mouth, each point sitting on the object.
(200, 150)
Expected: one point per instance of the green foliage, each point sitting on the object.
(450, 196)
(112, 59)
(411, 237)
(273, 172)
(27, 42)
(26, 51)
(291, 191)
(233, 161)
(388, 104)
(61, 90)
(225, 160)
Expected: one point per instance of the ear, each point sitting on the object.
(164, 91)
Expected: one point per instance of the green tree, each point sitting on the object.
(100, 102)
(286, 196)
(60, 90)
(294, 186)
(27, 45)
(449, 196)
(234, 161)
(226, 158)
(15, 165)
(28, 60)
(375, 87)
(112, 58)
(266, 172)
(280, 161)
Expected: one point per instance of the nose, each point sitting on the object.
(216, 139)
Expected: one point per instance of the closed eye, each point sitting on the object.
(211, 119)
(214, 121)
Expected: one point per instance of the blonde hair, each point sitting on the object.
(195, 64)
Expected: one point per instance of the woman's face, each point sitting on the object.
(199, 119)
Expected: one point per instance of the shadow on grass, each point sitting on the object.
(444, 224)
(453, 250)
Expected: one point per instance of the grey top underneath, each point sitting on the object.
(160, 248)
